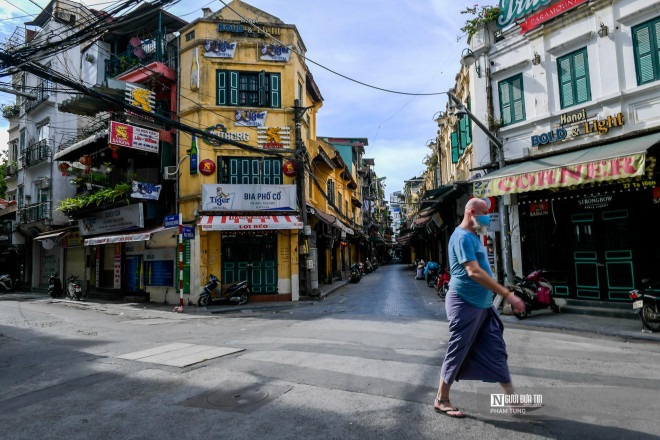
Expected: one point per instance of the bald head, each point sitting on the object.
(476, 204)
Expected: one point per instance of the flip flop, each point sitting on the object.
(449, 410)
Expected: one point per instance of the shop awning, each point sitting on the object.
(124, 238)
(331, 220)
(74, 151)
(55, 235)
(618, 160)
(249, 223)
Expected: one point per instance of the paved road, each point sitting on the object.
(364, 363)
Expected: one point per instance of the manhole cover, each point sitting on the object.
(234, 398)
(243, 399)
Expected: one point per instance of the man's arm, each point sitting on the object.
(479, 275)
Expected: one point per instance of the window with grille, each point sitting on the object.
(512, 100)
(646, 41)
(574, 87)
(250, 171)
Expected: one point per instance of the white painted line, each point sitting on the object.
(152, 351)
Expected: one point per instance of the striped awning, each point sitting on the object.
(249, 223)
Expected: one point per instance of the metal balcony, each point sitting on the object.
(41, 92)
(156, 49)
(36, 153)
(34, 212)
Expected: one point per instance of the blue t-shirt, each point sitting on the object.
(465, 246)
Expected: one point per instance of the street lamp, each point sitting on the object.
(500, 153)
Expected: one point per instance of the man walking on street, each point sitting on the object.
(476, 349)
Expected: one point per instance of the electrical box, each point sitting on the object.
(310, 263)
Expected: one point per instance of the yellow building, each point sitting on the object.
(241, 73)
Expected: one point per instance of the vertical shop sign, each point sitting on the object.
(97, 282)
(194, 71)
(117, 266)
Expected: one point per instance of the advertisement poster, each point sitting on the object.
(111, 220)
(147, 191)
(227, 197)
(219, 49)
(250, 118)
(275, 52)
(131, 136)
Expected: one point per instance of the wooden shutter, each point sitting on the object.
(566, 82)
(454, 147)
(221, 87)
(462, 135)
(581, 77)
(277, 172)
(233, 171)
(233, 88)
(275, 90)
(517, 100)
(263, 85)
(505, 102)
(646, 68)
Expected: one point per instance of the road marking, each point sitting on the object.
(179, 354)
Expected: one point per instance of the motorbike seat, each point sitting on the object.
(225, 287)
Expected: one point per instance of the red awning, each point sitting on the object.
(249, 223)
(124, 238)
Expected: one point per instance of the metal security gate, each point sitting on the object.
(251, 257)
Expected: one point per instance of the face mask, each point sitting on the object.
(484, 219)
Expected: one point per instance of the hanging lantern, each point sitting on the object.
(64, 166)
(114, 149)
(87, 161)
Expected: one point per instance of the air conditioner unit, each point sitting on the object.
(170, 173)
(44, 183)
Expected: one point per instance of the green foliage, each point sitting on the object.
(102, 197)
(481, 15)
(10, 110)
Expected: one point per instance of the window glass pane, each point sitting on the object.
(516, 87)
(506, 114)
(518, 112)
(505, 93)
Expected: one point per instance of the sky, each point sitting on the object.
(410, 46)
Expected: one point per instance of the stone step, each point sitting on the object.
(616, 305)
(608, 312)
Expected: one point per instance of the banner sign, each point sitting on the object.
(598, 171)
(274, 137)
(219, 49)
(511, 10)
(548, 14)
(188, 232)
(250, 118)
(221, 131)
(259, 223)
(130, 136)
(148, 191)
(171, 221)
(118, 219)
(227, 197)
(275, 52)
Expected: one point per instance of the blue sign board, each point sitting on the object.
(171, 221)
(188, 233)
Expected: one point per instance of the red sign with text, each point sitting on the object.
(548, 13)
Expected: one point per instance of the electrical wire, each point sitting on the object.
(324, 67)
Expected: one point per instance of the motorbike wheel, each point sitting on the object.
(654, 326)
(203, 301)
(553, 306)
(244, 299)
(442, 291)
(432, 282)
(525, 313)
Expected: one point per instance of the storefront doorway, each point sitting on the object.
(251, 257)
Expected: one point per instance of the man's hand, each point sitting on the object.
(517, 303)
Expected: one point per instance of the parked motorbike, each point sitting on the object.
(355, 274)
(647, 305)
(432, 277)
(534, 290)
(368, 267)
(55, 286)
(442, 285)
(230, 293)
(6, 283)
(73, 288)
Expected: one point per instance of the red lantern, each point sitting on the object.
(87, 161)
(114, 149)
(63, 167)
(289, 169)
(207, 167)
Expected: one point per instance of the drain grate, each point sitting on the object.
(236, 398)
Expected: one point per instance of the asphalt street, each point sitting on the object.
(362, 363)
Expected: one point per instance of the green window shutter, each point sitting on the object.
(277, 172)
(275, 90)
(581, 75)
(221, 87)
(454, 147)
(646, 67)
(462, 135)
(505, 102)
(220, 168)
(565, 82)
(233, 88)
(262, 88)
(517, 99)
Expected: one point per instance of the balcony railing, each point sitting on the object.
(41, 92)
(36, 153)
(34, 212)
(156, 49)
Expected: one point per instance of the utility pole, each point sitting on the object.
(300, 156)
(506, 229)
